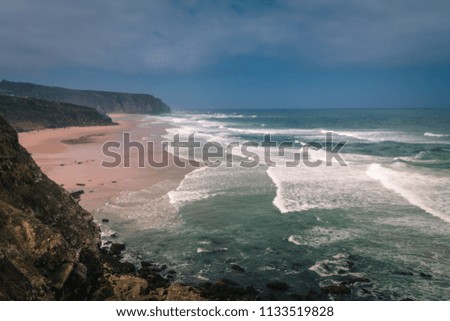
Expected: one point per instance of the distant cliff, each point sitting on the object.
(108, 102)
(26, 114)
(49, 245)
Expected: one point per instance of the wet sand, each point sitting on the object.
(72, 157)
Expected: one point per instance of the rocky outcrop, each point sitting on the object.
(26, 114)
(49, 245)
(123, 281)
(107, 102)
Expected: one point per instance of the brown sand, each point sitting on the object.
(72, 157)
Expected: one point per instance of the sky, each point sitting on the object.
(236, 54)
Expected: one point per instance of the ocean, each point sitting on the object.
(382, 217)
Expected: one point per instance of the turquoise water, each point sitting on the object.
(385, 216)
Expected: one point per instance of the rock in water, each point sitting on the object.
(336, 289)
(238, 268)
(278, 286)
(117, 248)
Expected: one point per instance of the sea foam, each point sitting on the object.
(435, 135)
(427, 192)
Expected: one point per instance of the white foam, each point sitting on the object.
(428, 192)
(222, 116)
(181, 195)
(304, 188)
(332, 267)
(296, 239)
(277, 131)
(218, 250)
(435, 135)
(266, 268)
(148, 208)
(374, 135)
(319, 236)
(107, 232)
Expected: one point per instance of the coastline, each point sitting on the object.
(72, 157)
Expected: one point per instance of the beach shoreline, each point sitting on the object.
(72, 157)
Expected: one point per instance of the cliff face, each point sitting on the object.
(109, 102)
(49, 245)
(26, 114)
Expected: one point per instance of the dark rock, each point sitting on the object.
(151, 267)
(105, 220)
(336, 289)
(238, 268)
(226, 283)
(345, 286)
(278, 286)
(312, 296)
(156, 280)
(145, 271)
(128, 267)
(350, 264)
(226, 289)
(355, 280)
(405, 273)
(146, 263)
(77, 194)
(117, 248)
(112, 262)
(426, 276)
(365, 291)
(114, 235)
(80, 184)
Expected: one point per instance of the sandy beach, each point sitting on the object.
(73, 158)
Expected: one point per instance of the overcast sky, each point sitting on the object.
(236, 54)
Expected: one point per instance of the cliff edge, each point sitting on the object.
(103, 101)
(49, 245)
(26, 114)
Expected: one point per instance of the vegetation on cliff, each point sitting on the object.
(26, 114)
(104, 101)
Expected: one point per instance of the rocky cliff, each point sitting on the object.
(26, 114)
(109, 102)
(49, 245)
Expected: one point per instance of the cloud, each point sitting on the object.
(190, 36)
